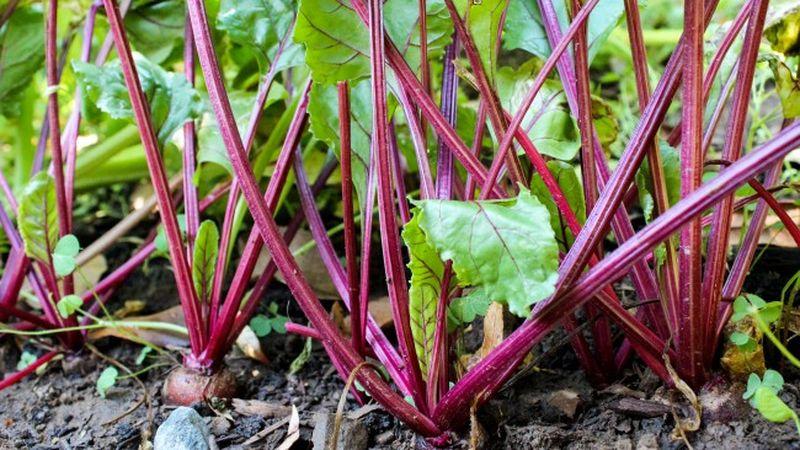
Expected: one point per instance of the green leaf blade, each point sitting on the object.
(38, 218)
(508, 248)
(427, 271)
(173, 101)
(204, 258)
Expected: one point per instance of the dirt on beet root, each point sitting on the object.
(551, 406)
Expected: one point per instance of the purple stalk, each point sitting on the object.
(716, 258)
(267, 276)
(496, 365)
(449, 104)
(426, 185)
(409, 82)
(183, 276)
(390, 237)
(17, 376)
(716, 63)
(669, 276)
(336, 345)
(741, 264)
(51, 65)
(69, 140)
(234, 194)
(616, 187)
(690, 337)
(600, 327)
(348, 211)
(398, 175)
(190, 203)
(222, 324)
(642, 277)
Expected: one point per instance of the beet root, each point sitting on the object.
(184, 387)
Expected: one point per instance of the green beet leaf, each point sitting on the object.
(25, 360)
(483, 21)
(323, 107)
(38, 218)
(21, 55)
(337, 42)
(155, 29)
(204, 259)
(173, 101)
(787, 86)
(524, 28)
(426, 287)
(551, 127)
(64, 255)
(782, 31)
(507, 247)
(261, 25)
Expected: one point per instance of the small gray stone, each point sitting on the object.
(184, 429)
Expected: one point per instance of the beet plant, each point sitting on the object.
(498, 186)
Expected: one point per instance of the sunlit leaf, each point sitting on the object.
(337, 42)
(261, 25)
(524, 28)
(506, 247)
(173, 101)
(550, 125)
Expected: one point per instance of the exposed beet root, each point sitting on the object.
(184, 387)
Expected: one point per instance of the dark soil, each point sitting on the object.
(60, 408)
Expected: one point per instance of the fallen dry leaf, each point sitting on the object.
(161, 338)
(381, 310)
(249, 344)
(774, 233)
(310, 263)
(267, 410)
(492, 329)
(740, 363)
(293, 433)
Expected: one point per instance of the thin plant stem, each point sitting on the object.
(337, 347)
(183, 276)
(734, 137)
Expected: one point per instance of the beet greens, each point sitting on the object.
(496, 184)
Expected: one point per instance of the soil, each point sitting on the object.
(553, 407)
